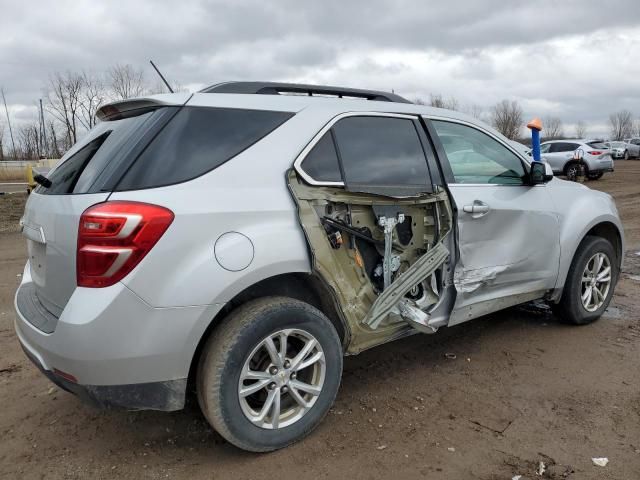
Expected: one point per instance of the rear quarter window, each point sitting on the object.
(196, 141)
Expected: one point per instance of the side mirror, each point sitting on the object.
(541, 172)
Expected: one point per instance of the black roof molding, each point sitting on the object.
(276, 88)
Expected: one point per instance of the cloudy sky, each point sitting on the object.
(574, 60)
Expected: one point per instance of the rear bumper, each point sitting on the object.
(596, 166)
(121, 351)
(167, 396)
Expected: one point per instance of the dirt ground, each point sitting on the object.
(523, 389)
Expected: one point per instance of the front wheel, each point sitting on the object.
(269, 374)
(590, 282)
(626, 154)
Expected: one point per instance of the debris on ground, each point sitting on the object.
(600, 461)
(450, 356)
(541, 469)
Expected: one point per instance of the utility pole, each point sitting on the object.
(44, 145)
(6, 111)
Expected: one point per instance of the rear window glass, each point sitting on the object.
(598, 145)
(196, 141)
(87, 159)
(64, 178)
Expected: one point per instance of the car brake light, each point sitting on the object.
(595, 152)
(113, 237)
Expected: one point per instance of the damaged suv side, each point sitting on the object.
(243, 240)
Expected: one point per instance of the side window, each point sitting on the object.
(475, 157)
(563, 147)
(196, 141)
(321, 163)
(545, 148)
(556, 147)
(382, 152)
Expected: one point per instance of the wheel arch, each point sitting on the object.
(306, 287)
(607, 227)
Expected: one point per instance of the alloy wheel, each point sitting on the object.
(281, 378)
(596, 282)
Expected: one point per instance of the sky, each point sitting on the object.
(579, 61)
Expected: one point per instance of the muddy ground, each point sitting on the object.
(522, 389)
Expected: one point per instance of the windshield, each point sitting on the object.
(617, 144)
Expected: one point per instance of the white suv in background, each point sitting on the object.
(562, 154)
(243, 239)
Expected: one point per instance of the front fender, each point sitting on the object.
(580, 209)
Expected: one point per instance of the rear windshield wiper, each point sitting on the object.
(42, 180)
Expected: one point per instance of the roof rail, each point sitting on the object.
(276, 88)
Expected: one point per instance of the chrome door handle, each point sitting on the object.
(477, 209)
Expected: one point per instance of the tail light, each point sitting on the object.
(113, 237)
(595, 152)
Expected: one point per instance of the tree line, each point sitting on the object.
(507, 116)
(70, 105)
(73, 98)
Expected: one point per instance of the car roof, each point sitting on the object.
(329, 106)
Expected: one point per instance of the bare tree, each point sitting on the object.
(635, 131)
(64, 101)
(552, 128)
(506, 117)
(56, 144)
(1, 139)
(581, 129)
(29, 146)
(621, 124)
(92, 97)
(125, 81)
(476, 111)
(438, 101)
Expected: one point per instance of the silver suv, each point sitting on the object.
(244, 238)
(564, 157)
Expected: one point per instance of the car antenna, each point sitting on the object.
(161, 76)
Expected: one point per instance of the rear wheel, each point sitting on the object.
(590, 282)
(270, 373)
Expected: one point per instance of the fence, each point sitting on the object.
(16, 170)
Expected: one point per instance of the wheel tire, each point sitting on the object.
(571, 309)
(595, 176)
(232, 344)
(572, 171)
(626, 155)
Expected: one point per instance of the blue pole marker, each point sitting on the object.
(535, 126)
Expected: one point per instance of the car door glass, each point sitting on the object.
(321, 163)
(545, 148)
(382, 155)
(475, 157)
